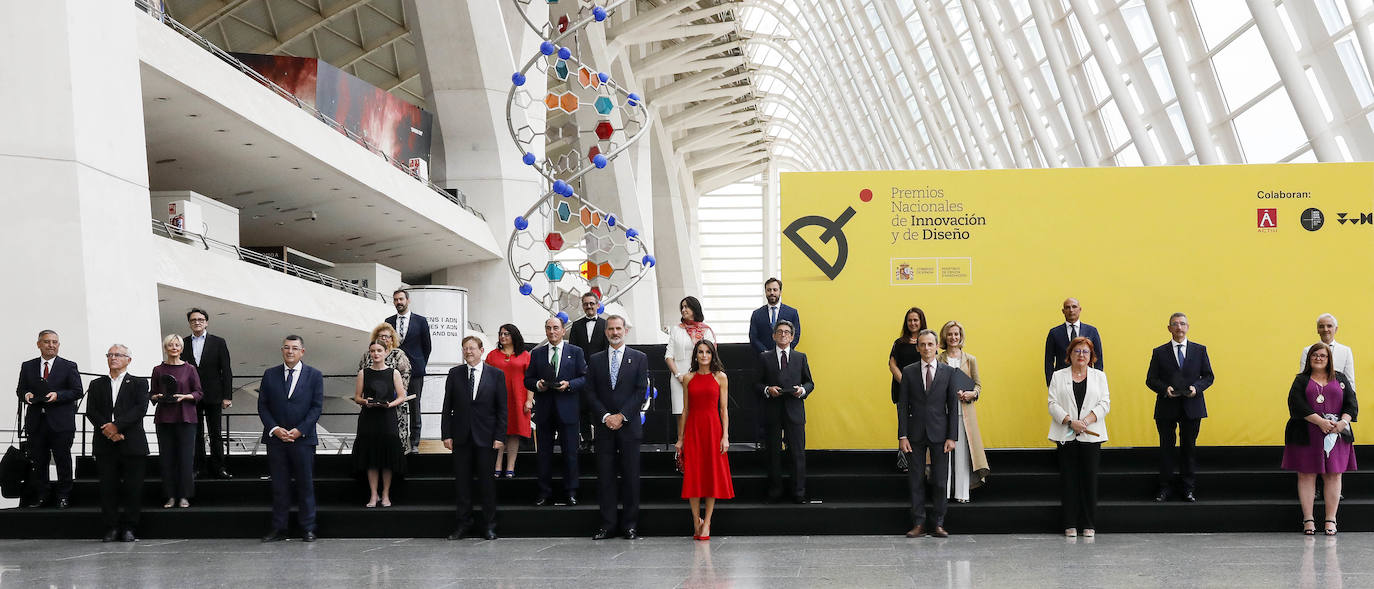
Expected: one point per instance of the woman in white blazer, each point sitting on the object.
(1078, 403)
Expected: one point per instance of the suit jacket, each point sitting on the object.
(477, 421)
(572, 368)
(798, 374)
(631, 386)
(761, 330)
(64, 379)
(1097, 400)
(1164, 372)
(1295, 432)
(593, 342)
(1057, 347)
(930, 415)
(416, 344)
(126, 410)
(215, 370)
(300, 411)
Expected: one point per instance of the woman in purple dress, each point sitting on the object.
(1318, 439)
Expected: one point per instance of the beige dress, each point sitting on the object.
(970, 463)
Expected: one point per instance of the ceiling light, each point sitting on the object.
(244, 193)
(166, 161)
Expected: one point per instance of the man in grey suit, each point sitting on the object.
(927, 414)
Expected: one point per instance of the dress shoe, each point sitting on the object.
(940, 532)
(916, 532)
(601, 534)
(572, 500)
(630, 534)
(223, 474)
(1189, 497)
(459, 533)
(64, 503)
(111, 535)
(1162, 496)
(799, 499)
(542, 501)
(308, 537)
(274, 536)
(36, 503)
(127, 536)
(491, 534)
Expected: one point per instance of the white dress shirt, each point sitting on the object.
(115, 383)
(1070, 328)
(1342, 360)
(1174, 349)
(402, 325)
(198, 345)
(611, 352)
(476, 378)
(290, 387)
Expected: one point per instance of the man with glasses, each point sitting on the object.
(785, 382)
(290, 399)
(1179, 373)
(49, 389)
(210, 355)
(116, 408)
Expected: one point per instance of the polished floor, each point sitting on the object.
(1125, 560)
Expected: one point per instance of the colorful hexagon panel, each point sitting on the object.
(564, 212)
(589, 217)
(603, 105)
(554, 271)
(604, 130)
(569, 102)
(554, 241)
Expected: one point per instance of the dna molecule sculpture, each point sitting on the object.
(565, 246)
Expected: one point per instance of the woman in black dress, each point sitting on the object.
(904, 353)
(377, 446)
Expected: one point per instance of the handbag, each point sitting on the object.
(15, 466)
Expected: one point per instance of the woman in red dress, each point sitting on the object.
(704, 439)
(510, 357)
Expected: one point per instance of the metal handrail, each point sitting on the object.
(269, 262)
(457, 196)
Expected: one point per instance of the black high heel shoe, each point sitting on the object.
(1331, 531)
(1311, 532)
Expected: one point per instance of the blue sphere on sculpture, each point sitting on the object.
(564, 53)
(518, 79)
(526, 289)
(599, 160)
(547, 48)
(529, 159)
(521, 223)
(599, 13)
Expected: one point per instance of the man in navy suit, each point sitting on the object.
(472, 425)
(210, 355)
(555, 374)
(763, 320)
(1057, 342)
(51, 388)
(290, 399)
(785, 382)
(617, 380)
(116, 408)
(1179, 373)
(413, 330)
(927, 420)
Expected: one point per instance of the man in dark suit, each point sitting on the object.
(555, 374)
(1057, 342)
(1179, 373)
(116, 408)
(472, 425)
(785, 382)
(927, 420)
(290, 399)
(763, 320)
(413, 330)
(51, 389)
(589, 333)
(210, 355)
(617, 380)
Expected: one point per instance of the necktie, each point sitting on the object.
(773, 316)
(929, 377)
(472, 382)
(1073, 332)
(556, 358)
(1179, 349)
(45, 369)
(783, 364)
(401, 327)
(289, 373)
(615, 367)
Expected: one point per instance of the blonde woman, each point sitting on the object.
(970, 463)
(175, 387)
(395, 358)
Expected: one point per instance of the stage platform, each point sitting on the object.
(851, 492)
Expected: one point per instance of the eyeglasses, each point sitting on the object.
(199, 320)
(1082, 352)
(292, 348)
(116, 355)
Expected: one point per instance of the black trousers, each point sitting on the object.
(1078, 465)
(292, 467)
(796, 446)
(544, 442)
(1186, 461)
(121, 486)
(416, 387)
(211, 419)
(46, 444)
(939, 479)
(464, 457)
(175, 448)
(617, 453)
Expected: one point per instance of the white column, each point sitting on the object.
(1135, 125)
(1294, 79)
(1180, 73)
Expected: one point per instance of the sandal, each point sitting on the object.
(1309, 531)
(1331, 530)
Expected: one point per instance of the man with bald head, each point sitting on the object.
(1057, 342)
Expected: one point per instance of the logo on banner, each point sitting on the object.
(1312, 219)
(1267, 220)
(833, 230)
(1355, 218)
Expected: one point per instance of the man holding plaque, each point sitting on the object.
(1179, 373)
(50, 386)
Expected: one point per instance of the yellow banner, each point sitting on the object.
(1252, 254)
